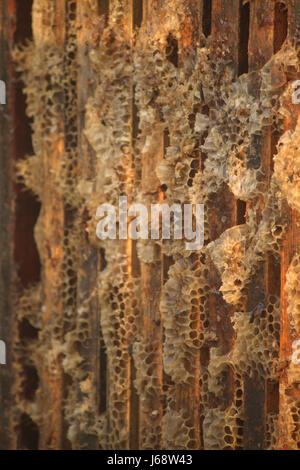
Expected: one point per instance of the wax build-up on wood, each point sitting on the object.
(144, 344)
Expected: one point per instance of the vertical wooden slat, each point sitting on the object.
(131, 441)
(261, 40)
(142, 416)
(290, 248)
(125, 392)
(188, 395)
(223, 210)
(53, 219)
(150, 292)
(151, 275)
(225, 25)
(225, 28)
(136, 9)
(90, 262)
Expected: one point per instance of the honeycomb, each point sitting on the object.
(197, 130)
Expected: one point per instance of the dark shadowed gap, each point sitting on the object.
(135, 262)
(254, 432)
(204, 356)
(254, 384)
(241, 212)
(137, 13)
(103, 375)
(172, 50)
(166, 140)
(206, 17)
(103, 262)
(26, 213)
(134, 409)
(164, 187)
(135, 118)
(27, 207)
(28, 436)
(204, 361)
(30, 382)
(280, 25)
(23, 21)
(26, 330)
(244, 28)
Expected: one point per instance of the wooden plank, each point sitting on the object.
(187, 396)
(142, 415)
(135, 18)
(90, 260)
(261, 40)
(288, 390)
(224, 212)
(121, 396)
(225, 25)
(225, 28)
(52, 382)
(151, 281)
